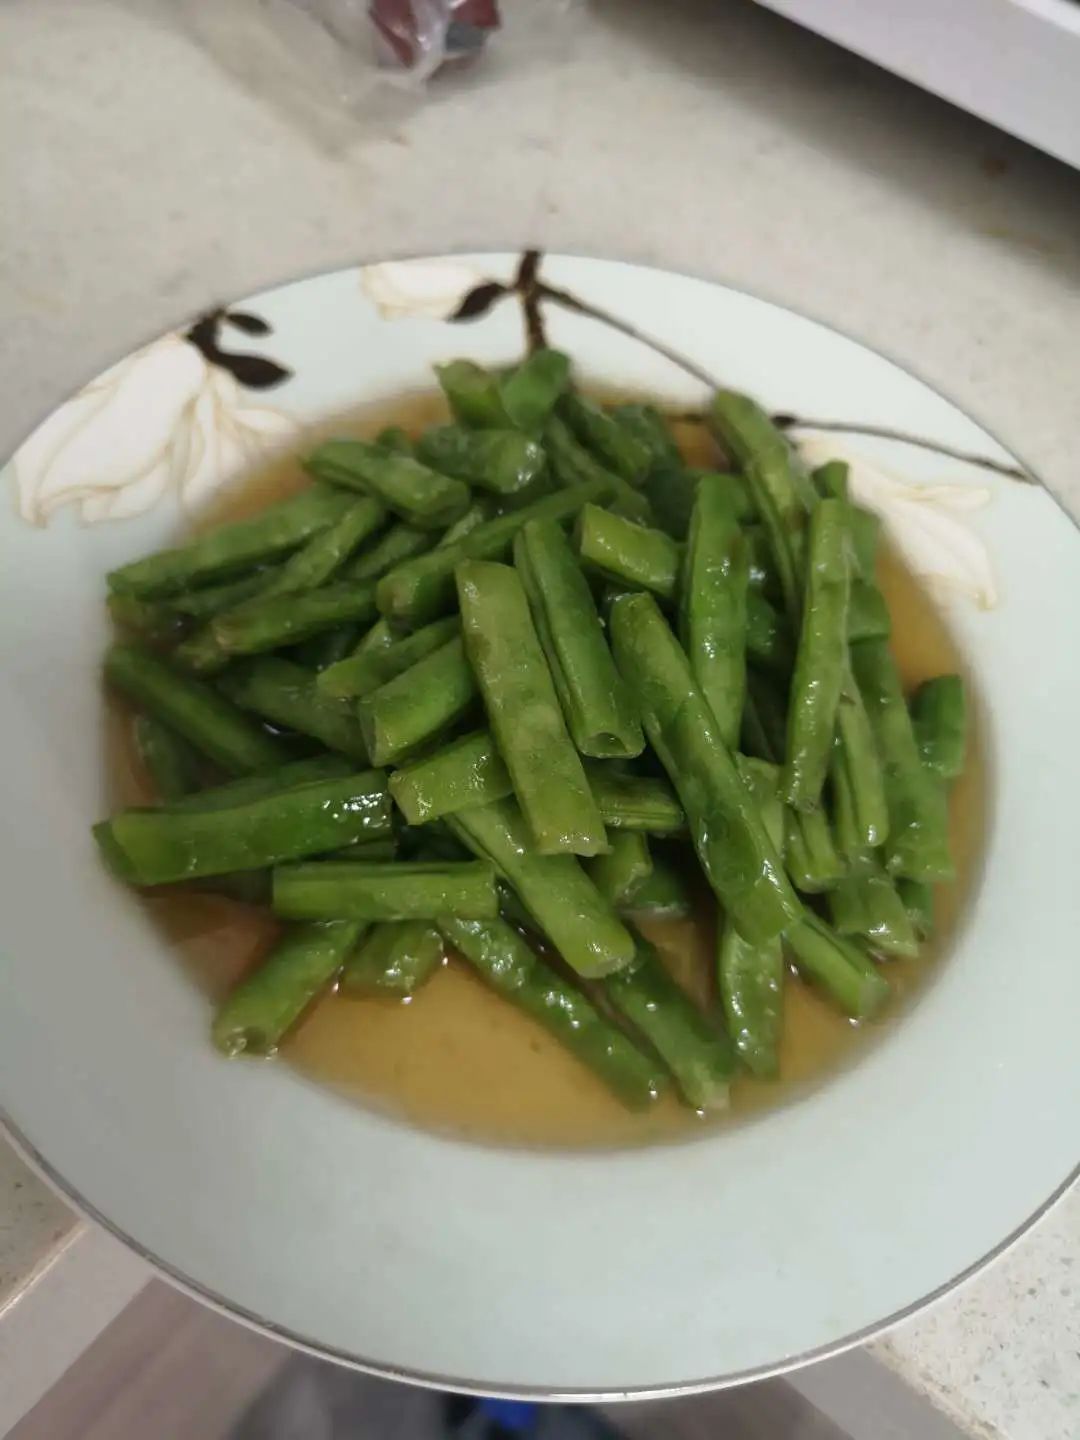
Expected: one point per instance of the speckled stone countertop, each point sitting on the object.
(33, 1222)
(144, 179)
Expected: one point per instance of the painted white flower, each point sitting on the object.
(163, 419)
(433, 289)
(926, 522)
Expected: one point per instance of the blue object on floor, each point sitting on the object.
(511, 1414)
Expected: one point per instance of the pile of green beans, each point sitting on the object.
(493, 693)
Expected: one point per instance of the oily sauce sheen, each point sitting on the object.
(458, 1058)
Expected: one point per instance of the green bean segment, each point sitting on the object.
(505, 653)
(394, 890)
(595, 700)
(159, 847)
(267, 1003)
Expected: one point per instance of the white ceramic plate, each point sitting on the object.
(686, 1265)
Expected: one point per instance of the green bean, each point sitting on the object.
(267, 782)
(574, 466)
(396, 958)
(868, 904)
(210, 600)
(400, 543)
(840, 966)
(167, 760)
(465, 773)
(269, 1001)
(229, 548)
(939, 717)
(506, 961)
(821, 657)
(543, 486)
(514, 913)
(807, 844)
(421, 590)
(768, 639)
(698, 1056)
(671, 490)
(650, 430)
(470, 772)
(324, 554)
(781, 490)
(739, 860)
(396, 890)
(366, 671)
(712, 609)
(283, 620)
(502, 461)
(631, 555)
(333, 645)
(635, 802)
(918, 899)
(868, 615)
(562, 900)
(810, 852)
(418, 704)
(202, 716)
(831, 480)
(529, 392)
(852, 841)
(865, 533)
(620, 872)
(159, 847)
(762, 779)
(918, 840)
(751, 987)
(662, 895)
(478, 513)
(151, 620)
(289, 696)
(416, 493)
(473, 394)
(395, 439)
(857, 773)
(200, 652)
(313, 565)
(750, 975)
(614, 445)
(377, 638)
(594, 699)
(738, 499)
(523, 709)
(760, 573)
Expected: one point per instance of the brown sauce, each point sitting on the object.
(458, 1058)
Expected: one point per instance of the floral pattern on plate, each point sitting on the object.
(926, 522)
(169, 418)
(427, 289)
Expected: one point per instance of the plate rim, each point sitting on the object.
(173, 1275)
(430, 1380)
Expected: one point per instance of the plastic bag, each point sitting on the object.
(331, 63)
(414, 37)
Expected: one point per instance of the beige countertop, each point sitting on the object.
(144, 180)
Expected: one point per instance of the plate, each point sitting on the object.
(628, 1272)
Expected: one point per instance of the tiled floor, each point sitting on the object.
(169, 1369)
